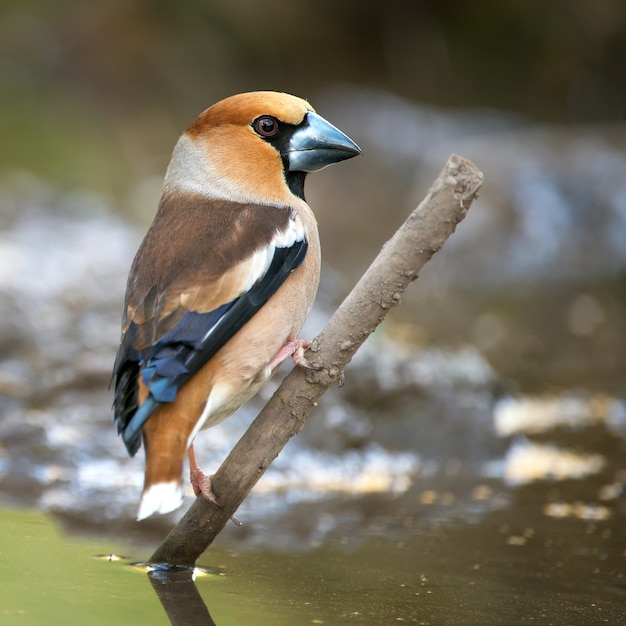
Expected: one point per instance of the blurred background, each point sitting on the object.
(93, 97)
(504, 366)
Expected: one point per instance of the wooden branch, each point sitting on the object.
(380, 289)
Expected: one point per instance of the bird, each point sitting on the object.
(222, 282)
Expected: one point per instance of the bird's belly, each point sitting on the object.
(221, 405)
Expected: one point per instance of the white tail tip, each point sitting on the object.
(160, 498)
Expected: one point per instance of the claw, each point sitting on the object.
(298, 356)
(295, 349)
(202, 483)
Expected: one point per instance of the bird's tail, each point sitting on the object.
(162, 497)
(165, 453)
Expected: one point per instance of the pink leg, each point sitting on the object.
(295, 349)
(201, 482)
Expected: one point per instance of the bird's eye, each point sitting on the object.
(266, 126)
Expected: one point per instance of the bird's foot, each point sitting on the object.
(202, 483)
(295, 349)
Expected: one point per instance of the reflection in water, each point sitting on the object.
(177, 592)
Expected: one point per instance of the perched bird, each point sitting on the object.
(222, 282)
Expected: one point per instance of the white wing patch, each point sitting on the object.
(262, 258)
(294, 232)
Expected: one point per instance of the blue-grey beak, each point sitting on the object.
(317, 144)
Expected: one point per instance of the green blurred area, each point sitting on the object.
(94, 94)
(49, 578)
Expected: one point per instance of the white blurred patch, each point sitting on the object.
(580, 510)
(355, 472)
(106, 474)
(438, 368)
(533, 415)
(528, 462)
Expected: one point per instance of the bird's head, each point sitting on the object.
(255, 147)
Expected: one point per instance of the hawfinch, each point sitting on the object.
(222, 282)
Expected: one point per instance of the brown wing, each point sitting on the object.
(194, 282)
